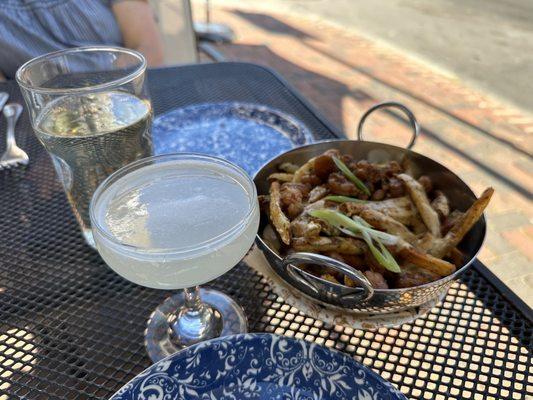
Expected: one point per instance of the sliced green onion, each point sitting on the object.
(357, 218)
(344, 199)
(392, 265)
(375, 252)
(384, 257)
(335, 218)
(350, 233)
(339, 220)
(350, 175)
(359, 228)
(387, 238)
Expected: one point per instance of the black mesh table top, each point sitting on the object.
(70, 328)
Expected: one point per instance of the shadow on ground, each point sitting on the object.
(307, 81)
(271, 24)
(331, 92)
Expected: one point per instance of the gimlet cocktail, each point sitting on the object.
(173, 222)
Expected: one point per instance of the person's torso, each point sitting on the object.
(29, 28)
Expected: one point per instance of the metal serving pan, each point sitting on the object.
(365, 299)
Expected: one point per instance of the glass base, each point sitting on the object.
(228, 318)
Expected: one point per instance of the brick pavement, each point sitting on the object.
(478, 137)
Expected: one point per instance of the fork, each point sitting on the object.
(13, 155)
(3, 99)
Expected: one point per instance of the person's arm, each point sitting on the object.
(136, 21)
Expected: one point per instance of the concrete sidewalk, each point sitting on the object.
(484, 141)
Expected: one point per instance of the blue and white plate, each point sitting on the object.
(258, 366)
(246, 134)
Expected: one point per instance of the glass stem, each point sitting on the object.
(195, 321)
(192, 299)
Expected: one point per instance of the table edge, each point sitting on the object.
(306, 103)
(505, 290)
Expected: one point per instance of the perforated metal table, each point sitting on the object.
(70, 328)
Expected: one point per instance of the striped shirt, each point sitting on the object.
(29, 28)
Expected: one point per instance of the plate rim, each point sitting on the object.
(306, 132)
(256, 335)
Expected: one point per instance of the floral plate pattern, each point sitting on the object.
(246, 134)
(258, 366)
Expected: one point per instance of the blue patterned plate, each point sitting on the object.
(258, 366)
(247, 134)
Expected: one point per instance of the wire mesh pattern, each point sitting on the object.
(70, 328)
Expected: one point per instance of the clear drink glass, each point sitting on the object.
(90, 108)
(176, 222)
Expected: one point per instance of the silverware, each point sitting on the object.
(13, 155)
(3, 99)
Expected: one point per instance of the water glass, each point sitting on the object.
(90, 108)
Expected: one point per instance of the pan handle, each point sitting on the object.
(350, 295)
(412, 120)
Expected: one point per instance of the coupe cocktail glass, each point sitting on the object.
(175, 222)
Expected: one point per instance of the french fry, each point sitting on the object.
(425, 242)
(303, 226)
(470, 217)
(457, 257)
(303, 170)
(441, 205)
(426, 261)
(288, 167)
(281, 176)
(278, 218)
(412, 276)
(419, 197)
(417, 225)
(385, 223)
(338, 244)
(401, 209)
(450, 221)
(317, 193)
(317, 205)
(464, 223)
(328, 229)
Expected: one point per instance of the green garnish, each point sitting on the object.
(356, 225)
(359, 228)
(344, 199)
(384, 257)
(357, 218)
(349, 174)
